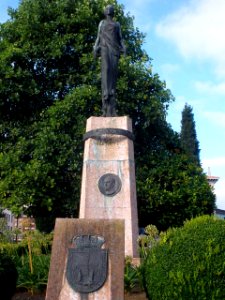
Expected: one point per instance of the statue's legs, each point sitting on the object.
(109, 106)
(109, 76)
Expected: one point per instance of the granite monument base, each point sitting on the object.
(108, 189)
(66, 231)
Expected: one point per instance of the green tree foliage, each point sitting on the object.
(50, 84)
(172, 186)
(46, 53)
(46, 50)
(174, 190)
(188, 135)
(188, 262)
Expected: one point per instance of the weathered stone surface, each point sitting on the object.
(65, 230)
(111, 154)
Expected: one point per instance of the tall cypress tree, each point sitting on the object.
(188, 136)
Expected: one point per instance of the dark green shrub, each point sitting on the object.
(188, 262)
(8, 277)
(33, 272)
(132, 276)
(33, 264)
(31, 257)
(148, 240)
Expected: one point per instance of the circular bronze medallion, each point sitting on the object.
(109, 184)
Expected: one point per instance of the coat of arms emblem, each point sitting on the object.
(87, 264)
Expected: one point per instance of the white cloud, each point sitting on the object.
(197, 30)
(216, 117)
(213, 163)
(196, 104)
(169, 69)
(210, 87)
(219, 191)
(137, 3)
(217, 167)
(138, 9)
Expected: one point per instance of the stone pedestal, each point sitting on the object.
(65, 230)
(112, 154)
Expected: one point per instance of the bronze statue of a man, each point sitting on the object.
(109, 45)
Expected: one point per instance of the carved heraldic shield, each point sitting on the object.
(87, 264)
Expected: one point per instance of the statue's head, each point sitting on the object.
(109, 184)
(109, 10)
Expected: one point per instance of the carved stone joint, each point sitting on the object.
(97, 133)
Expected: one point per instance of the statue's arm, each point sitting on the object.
(123, 47)
(96, 47)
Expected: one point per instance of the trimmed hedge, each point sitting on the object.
(188, 262)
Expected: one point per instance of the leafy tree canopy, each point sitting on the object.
(50, 84)
(174, 190)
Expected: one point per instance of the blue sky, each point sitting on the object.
(186, 41)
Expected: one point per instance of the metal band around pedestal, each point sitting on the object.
(97, 133)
